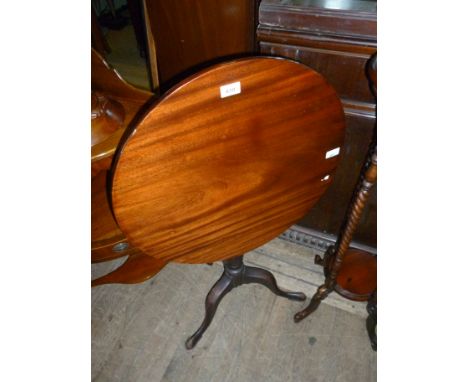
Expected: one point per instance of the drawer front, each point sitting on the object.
(344, 70)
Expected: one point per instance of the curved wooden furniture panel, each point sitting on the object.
(115, 105)
(109, 243)
(107, 81)
(136, 269)
(357, 278)
(205, 177)
(105, 233)
(107, 116)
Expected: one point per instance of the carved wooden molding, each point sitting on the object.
(318, 240)
(360, 109)
(358, 20)
(313, 43)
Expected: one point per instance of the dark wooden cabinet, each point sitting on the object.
(336, 38)
(190, 33)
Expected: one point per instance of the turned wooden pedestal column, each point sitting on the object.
(350, 272)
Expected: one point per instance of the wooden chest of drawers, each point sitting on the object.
(336, 38)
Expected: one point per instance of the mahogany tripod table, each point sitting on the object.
(223, 163)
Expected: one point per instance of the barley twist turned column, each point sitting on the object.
(335, 255)
(344, 239)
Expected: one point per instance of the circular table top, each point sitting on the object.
(227, 160)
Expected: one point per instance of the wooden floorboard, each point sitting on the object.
(138, 333)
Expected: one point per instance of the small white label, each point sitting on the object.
(230, 89)
(332, 153)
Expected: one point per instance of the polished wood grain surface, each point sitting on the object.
(105, 234)
(204, 178)
(106, 148)
(108, 242)
(357, 278)
(107, 79)
(136, 269)
(107, 116)
(115, 105)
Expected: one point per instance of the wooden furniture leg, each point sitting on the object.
(334, 256)
(235, 274)
(333, 259)
(136, 269)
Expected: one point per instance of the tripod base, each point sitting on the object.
(322, 292)
(235, 274)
